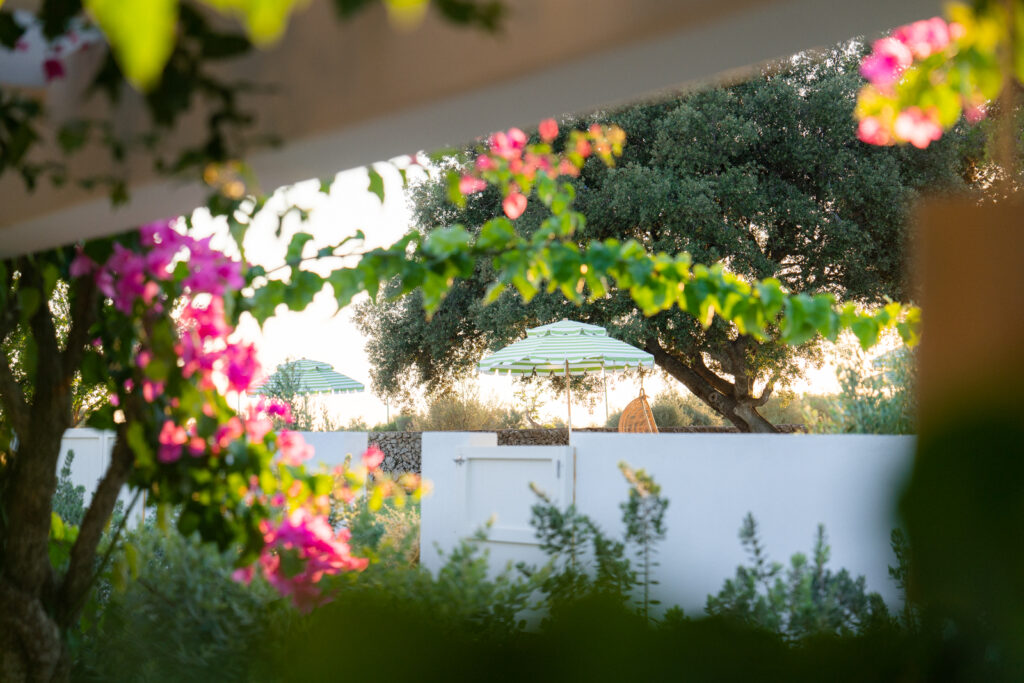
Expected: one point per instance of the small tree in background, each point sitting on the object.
(877, 396)
(463, 409)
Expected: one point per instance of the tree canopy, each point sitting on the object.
(766, 177)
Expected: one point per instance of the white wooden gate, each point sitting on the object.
(492, 487)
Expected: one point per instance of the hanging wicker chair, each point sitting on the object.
(637, 416)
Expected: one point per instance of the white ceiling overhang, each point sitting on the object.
(350, 94)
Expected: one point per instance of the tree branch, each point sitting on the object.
(717, 383)
(83, 315)
(736, 352)
(766, 393)
(80, 573)
(692, 379)
(12, 398)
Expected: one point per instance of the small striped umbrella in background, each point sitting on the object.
(306, 376)
(566, 347)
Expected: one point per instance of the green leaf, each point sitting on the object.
(10, 30)
(376, 183)
(141, 35)
(28, 299)
(131, 556)
(94, 367)
(56, 526)
(454, 193)
(139, 445)
(295, 246)
(265, 20)
(73, 136)
(867, 330)
(102, 418)
(163, 515)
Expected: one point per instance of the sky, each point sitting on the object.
(322, 332)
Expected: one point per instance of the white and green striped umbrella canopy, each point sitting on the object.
(587, 348)
(309, 377)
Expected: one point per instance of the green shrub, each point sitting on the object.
(809, 600)
(585, 564)
(68, 499)
(879, 400)
(182, 617)
(465, 411)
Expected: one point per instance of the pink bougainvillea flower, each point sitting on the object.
(502, 147)
(485, 163)
(583, 147)
(228, 433)
(538, 162)
(517, 138)
(53, 69)
(308, 538)
(924, 38)
(975, 112)
(82, 265)
(373, 457)
(548, 130)
(566, 167)
(514, 205)
(258, 428)
(470, 185)
(872, 131)
(196, 446)
(888, 60)
(242, 366)
(279, 410)
(917, 127)
(294, 449)
(151, 390)
(244, 575)
(172, 438)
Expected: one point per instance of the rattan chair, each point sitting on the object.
(637, 416)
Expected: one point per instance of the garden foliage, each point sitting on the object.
(808, 599)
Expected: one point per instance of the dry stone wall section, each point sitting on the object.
(402, 450)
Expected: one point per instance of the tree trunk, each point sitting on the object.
(754, 420)
(31, 646)
(715, 391)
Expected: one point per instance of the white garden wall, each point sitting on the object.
(790, 482)
(331, 448)
(440, 523)
(93, 447)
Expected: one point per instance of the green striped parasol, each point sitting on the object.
(306, 376)
(565, 348)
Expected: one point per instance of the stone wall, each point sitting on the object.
(402, 450)
(533, 437)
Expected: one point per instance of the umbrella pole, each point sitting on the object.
(568, 400)
(604, 381)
